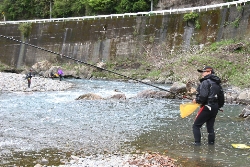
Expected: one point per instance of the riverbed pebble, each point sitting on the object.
(127, 160)
(12, 82)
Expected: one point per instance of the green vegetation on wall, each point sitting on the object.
(25, 29)
(236, 22)
(192, 17)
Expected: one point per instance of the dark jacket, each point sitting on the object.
(210, 91)
(29, 75)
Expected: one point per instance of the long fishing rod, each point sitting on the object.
(80, 61)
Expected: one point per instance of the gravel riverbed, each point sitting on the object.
(128, 160)
(11, 82)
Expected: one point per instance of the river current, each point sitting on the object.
(52, 125)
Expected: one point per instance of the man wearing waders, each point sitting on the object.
(210, 96)
(28, 77)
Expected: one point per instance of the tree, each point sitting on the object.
(62, 8)
(78, 8)
(25, 9)
(126, 6)
(102, 6)
(141, 5)
(40, 9)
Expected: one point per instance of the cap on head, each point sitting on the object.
(207, 69)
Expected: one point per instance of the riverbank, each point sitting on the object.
(11, 82)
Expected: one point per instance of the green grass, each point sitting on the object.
(240, 79)
(215, 46)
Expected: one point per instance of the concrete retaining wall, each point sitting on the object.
(110, 39)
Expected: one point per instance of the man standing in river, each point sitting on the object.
(28, 77)
(210, 96)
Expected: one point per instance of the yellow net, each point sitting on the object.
(187, 109)
(241, 146)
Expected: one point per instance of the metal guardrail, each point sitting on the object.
(162, 12)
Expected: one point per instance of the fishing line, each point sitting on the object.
(94, 66)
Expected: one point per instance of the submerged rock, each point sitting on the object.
(155, 94)
(178, 88)
(118, 97)
(245, 112)
(243, 97)
(89, 96)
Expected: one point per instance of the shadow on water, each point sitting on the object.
(53, 125)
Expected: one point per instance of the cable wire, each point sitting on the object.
(88, 64)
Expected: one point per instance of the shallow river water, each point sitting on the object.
(53, 125)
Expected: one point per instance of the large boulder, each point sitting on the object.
(245, 112)
(119, 96)
(244, 97)
(234, 47)
(178, 88)
(89, 96)
(231, 97)
(52, 71)
(155, 94)
(41, 67)
(190, 89)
